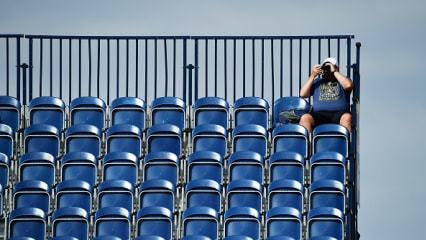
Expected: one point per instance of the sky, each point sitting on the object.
(393, 108)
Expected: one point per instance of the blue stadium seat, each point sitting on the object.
(246, 165)
(284, 221)
(10, 112)
(330, 137)
(203, 193)
(74, 193)
(210, 137)
(88, 110)
(71, 221)
(124, 138)
(211, 110)
(42, 138)
(328, 166)
(161, 165)
(156, 221)
(27, 222)
(32, 193)
(250, 137)
(157, 192)
(325, 221)
(112, 221)
(244, 193)
(164, 137)
(168, 110)
(128, 110)
(287, 165)
(242, 221)
(286, 193)
(83, 138)
(116, 193)
(289, 104)
(47, 110)
(5, 168)
(37, 166)
(120, 166)
(291, 137)
(327, 193)
(251, 110)
(79, 166)
(205, 165)
(7, 139)
(201, 221)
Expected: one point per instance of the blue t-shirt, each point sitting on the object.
(329, 95)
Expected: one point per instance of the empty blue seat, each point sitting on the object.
(203, 193)
(244, 193)
(42, 138)
(330, 137)
(287, 165)
(27, 222)
(210, 137)
(116, 193)
(128, 110)
(31, 193)
(47, 110)
(161, 165)
(291, 137)
(328, 166)
(205, 165)
(164, 137)
(70, 221)
(286, 193)
(327, 193)
(74, 193)
(211, 110)
(325, 221)
(112, 221)
(289, 109)
(37, 166)
(242, 221)
(202, 221)
(251, 110)
(156, 221)
(250, 137)
(246, 165)
(168, 110)
(10, 112)
(79, 166)
(120, 166)
(88, 110)
(124, 138)
(83, 138)
(7, 139)
(4, 170)
(284, 221)
(157, 192)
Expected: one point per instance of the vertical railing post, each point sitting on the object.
(24, 67)
(190, 67)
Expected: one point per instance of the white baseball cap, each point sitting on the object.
(331, 60)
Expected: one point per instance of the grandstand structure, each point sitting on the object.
(172, 137)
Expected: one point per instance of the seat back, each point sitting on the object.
(291, 137)
(42, 138)
(116, 193)
(286, 193)
(7, 139)
(128, 110)
(27, 222)
(325, 221)
(168, 110)
(164, 137)
(202, 221)
(251, 110)
(331, 137)
(47, 110)
(120, 166)
(205, 165)
(124, 138)
(161, 165)
(74, 193)
(88, 110)
(242, 221)
(244, 193)
(37, 166)
(250, 137)
(79, 166)
(203, 193)
(157, 192)
(70, 221)
(4, 170)
(112, 221)
(327, 193)
(10, 112)
(211, 110)
(83, 138)
(210, 137)
(328, 166)
(284, 221)
(246, 165)
(154, 221)
(31, 193)
(287, 165)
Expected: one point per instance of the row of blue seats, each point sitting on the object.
(196, 223)
(133, 110)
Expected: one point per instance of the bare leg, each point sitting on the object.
(307, 121)
(346, 120)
